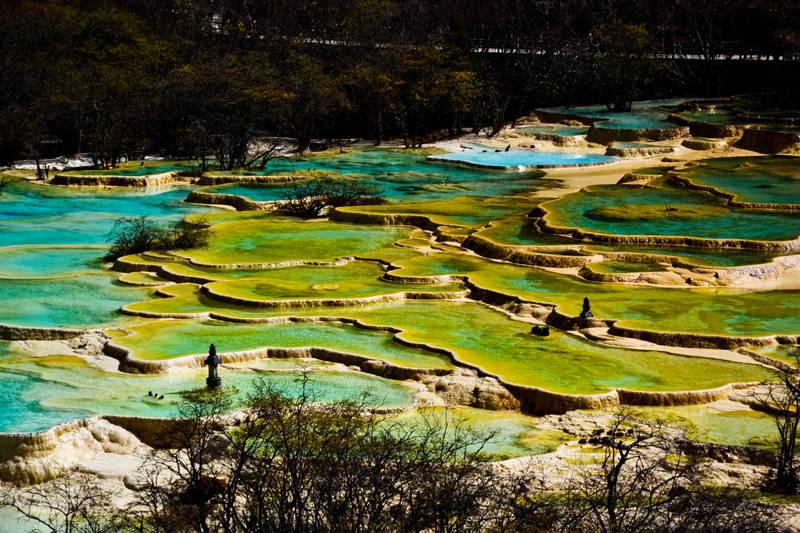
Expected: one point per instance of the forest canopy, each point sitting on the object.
(199, 79)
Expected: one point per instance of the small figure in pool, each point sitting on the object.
(587, 309)
(150, 393)
(508, 148)
(161, 397)
(213, 361)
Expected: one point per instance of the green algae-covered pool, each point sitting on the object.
(266, 239)
(52, 241)
(662, 210)
(767, 179)
(717, 311)
(136, 168)
(355, 280)
(167, 339)
(488, 339)
(519, 231)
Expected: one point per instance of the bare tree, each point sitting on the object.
(72, 503)
(297, 465)
(781, 398)
(134, 235)
(650, 479)
(311, 197)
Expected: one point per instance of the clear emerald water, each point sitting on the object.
(644, 115)
(490, 340)
(71, 301)
(702, 310)
(47, 261)
(168, 339)
(719, 425)
(712, 116)
(767, 179)
(785, 352)
(624, 210)
(357, 279)
(264, 238)
(514, 159)
(395, 174)
(521, 232)
(622, 267)
(37, 394)
(512, 434)
(462, 210)
(51, 215)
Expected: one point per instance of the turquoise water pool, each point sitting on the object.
(767, 179)
(644, 115)
(519, 159)
(395, 174)
(37, 214)
(622, 210)
(71, 301)
(38, 394)
(48, 261)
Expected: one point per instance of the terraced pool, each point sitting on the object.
(663, 210)
(766, 179)
(39, 393)
(321, 272)
(522, 160)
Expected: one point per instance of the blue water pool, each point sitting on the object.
(522, 160)
(394, 174)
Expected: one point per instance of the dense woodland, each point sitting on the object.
(204, 78)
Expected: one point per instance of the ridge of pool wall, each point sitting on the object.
(125, 265)
(523, 255)
(627, 152)
(333, 302)
(556, 117)
(383, 219)
(600, 135)
(25, 333)
(611, 277)
(705, 129)
(369, 365)
(32, 458)
(632, 177)
(662, 240)
(208, 181)
(556, 139)
(513, 168)
(682, 181)
(239, 203)
(14, 447)
(767, 360)
(769, 141)
(101, 180)
(698, 340)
